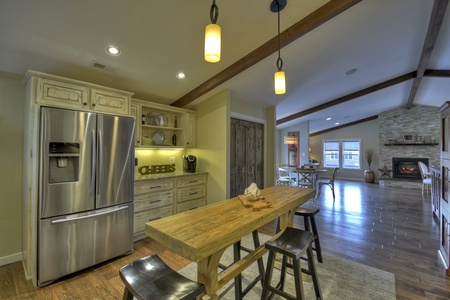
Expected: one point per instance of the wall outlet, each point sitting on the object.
(172, 160)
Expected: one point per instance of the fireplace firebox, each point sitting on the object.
(405, 167)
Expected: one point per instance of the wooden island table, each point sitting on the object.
(203, 234)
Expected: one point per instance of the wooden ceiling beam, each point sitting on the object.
(310, 22)
(437, 16)
(345, 125)
(349, 97)
(437, 73)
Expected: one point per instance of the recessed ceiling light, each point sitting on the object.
(181, 75)
(113, 50)
(350, 72)
(337, 123)
(328, 119)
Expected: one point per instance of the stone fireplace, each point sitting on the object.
(418, 123)
(407, 168)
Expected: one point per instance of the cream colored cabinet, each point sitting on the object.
(163, 126)
(159, 198)
(190, 126)
(110, 102)
(62, 92)
(134, 112)
(191, 192)
(153, 199)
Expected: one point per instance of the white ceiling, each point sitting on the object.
(383, 39)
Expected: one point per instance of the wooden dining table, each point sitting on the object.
(202, 235)
(309, 175)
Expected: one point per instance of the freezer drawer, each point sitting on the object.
(69, 244)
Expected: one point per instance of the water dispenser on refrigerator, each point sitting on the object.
(64, 159)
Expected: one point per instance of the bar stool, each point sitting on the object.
(292, 243)
(150, 278)
(310, 225)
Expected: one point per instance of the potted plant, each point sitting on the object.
(369, 175)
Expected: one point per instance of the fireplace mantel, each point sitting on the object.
(412, 144)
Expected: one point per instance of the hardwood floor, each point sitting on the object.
(390, 229)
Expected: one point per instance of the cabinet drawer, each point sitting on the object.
(152, 200)
(152, 186)
(143, 217)
(192, 180)
(189, 205)
(58, 93)
(188, 193)
(110, 102)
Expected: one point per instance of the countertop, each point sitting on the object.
(165, 175)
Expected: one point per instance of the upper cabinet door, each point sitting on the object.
(104, 101)
(56, 93)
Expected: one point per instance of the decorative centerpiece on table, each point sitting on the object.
(369, 175)
(252, 198)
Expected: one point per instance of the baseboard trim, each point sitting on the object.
(6, 260)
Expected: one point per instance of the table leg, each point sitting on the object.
(207, 273)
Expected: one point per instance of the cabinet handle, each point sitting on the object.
(190, 194)
(155, 201)
(192, 208)
(155, 187)
(154, 219)
(195, 181)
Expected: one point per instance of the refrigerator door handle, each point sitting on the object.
(100, 159)
(89, 216)
(94, 158)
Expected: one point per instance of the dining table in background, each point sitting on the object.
(202, 235)
(305, 173)
(307, 177)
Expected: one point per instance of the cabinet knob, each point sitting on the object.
(84, 103)
(93, 104)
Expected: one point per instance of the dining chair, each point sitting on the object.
(305, 177)
(329, 182)
(284, 177)
(426, 176)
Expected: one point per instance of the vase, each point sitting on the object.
(369, 176)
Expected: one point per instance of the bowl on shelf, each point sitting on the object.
(147, 141)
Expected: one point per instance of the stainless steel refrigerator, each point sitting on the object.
(85, 190)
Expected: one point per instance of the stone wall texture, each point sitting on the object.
(421, 121)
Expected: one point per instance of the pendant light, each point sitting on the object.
(280, 77)
(213, 36)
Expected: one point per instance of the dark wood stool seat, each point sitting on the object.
(310, 225)
(292, 243)
(150, 278)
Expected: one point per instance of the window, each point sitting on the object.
(342, 154)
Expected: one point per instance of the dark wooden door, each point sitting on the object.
(246, 155)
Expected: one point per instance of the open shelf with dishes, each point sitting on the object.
(162, 126)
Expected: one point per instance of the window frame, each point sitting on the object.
(341, 159)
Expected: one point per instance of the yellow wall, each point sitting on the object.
(213, 126)
(11, 141)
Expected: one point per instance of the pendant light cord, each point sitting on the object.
(279, 60)
(214, 12)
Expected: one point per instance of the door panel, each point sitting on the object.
(115, 171)
(66, 170)
(246, 153)
(69, 244)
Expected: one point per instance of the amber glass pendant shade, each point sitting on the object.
(212, 43)
(280, 83)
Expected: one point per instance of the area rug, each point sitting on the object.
(339, 278)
